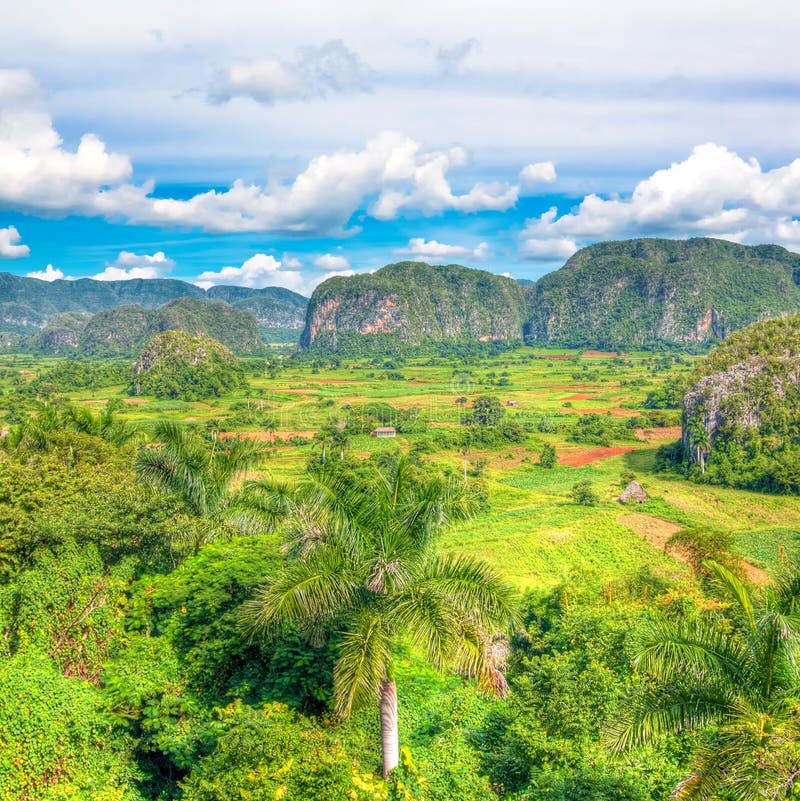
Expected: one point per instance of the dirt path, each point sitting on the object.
(657, 532)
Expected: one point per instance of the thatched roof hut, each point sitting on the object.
(634, 493)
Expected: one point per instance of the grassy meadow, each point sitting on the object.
(530, 528)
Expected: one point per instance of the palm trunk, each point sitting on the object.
(389, 739)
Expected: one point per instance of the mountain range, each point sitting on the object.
(638, 293)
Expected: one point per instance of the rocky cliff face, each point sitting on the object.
(746, 390)
(651, 292)
(416, 303)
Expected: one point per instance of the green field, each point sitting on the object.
(530, 528)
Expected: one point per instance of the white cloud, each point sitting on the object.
(322, 198)
(49, 273)
(257, 272)
(542, 172)
(317, 71)
(548, 249)
(713, 192)
(132, 265)
(432, 250)
(36, 173)
(9, 244)
(332, 263)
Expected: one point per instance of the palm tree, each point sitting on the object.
(361, 560)
(181, 462)
(739, 682)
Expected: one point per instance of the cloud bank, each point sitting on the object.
(714, 192)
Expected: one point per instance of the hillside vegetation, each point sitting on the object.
(741, 423)
(28, 304)
(414, 304)
(176, 365)
(651, 292)
(124, 330)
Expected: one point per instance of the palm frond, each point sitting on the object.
(305, 594)
(674, 649)
(735, 589)
(363, 662)
(474, 590)
(669, 710)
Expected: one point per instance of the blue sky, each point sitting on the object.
(282, 145)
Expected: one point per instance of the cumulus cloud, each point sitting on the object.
(37, 174)
(40, 176)
(132, 265)
(542, 172)
(330, 68)
(257, 272)
(431, 250)
(332, 263)
(451, 59)
(322, 198)
(262, 270)
(49, 273)
(713, 192)
(9, 244)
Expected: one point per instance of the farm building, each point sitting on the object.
(384, 432)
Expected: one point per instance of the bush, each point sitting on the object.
(547, 456)
(583, 494)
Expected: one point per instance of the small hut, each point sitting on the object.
(384, 432)
(634, 493)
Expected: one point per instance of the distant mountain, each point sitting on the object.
(412, 304)
(124, 330)
(651, 292)
(27, 304)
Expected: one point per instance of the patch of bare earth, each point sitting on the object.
(135, 400)
(579, 396)
(657, 532)
(588, 455)
(267, 436)
(612, 412)
(654, 434)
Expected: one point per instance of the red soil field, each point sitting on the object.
(589, 455)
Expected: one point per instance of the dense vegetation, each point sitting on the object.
(742, 413)
(191, 592)
(125, 330)
(415, 305)
(176, 365)
(656, 292)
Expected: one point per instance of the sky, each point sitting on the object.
(279, 144)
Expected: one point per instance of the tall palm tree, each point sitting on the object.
(182, 463)
(738, 680)
(362, 560)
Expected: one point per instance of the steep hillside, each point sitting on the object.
(649, 292)
(177, 365)
(414, 304)
(124, 330)
(741, 420)
(27, 304)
